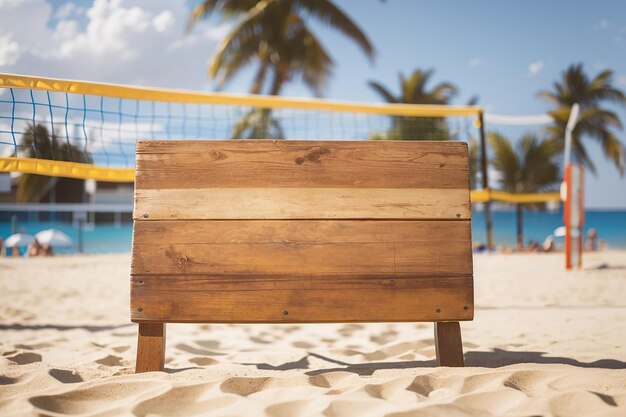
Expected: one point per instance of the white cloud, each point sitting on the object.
(9, 51)
(475, 62)
(621, 80)
(163, 21)
(535, 68)
(65, 30)
(10, 3)
(68, 10)
(602, 24)
(121, 41)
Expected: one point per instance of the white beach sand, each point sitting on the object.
(543, 343)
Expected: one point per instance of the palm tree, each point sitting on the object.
(413, 90)
(530, 168)
(473, 162)
(37, 143)
(274, 35)
(257, 123)
(594, 122)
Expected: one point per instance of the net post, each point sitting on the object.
(485, 180)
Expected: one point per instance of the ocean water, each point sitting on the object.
(101, 238)
(610, 225)
(537, 225)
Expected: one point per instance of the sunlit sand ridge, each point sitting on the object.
(544, 342)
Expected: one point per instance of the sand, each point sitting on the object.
(543, 343)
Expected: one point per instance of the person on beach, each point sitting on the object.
(592, 240)
(46, 250)
(34, 249)
(548, 244)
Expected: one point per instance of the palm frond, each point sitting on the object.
(504, 160)
(382, 91)
(595, 122)
(327, 12)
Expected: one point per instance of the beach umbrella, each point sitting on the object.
(53, 237)
(18, 239)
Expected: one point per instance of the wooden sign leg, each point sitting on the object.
(448, 344)
(150, 347)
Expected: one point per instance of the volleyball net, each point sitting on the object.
(514, 129)
(88, 130)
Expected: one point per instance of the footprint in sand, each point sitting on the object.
(208, 344)
(196, 351)
(203, 361)
(245, 386)
(351, 408)
(433, 385)
(300, 408)
(25, 358)
(433, 410)
(111, 360)
(303, 345)
(582, 403)
(249, 385)
(393, 350)
(384, 338)
(394, 390)
(7, 380)
(332, 379)
(36, 346)
(529, 382)
(100, 398)
(198, 399)
(65, 376)
(492, 402)
(260, 340)
(489, 381)
(121, 349)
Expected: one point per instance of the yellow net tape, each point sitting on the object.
(66, 169)
(482, 196)
(87, 171)
(182, 96)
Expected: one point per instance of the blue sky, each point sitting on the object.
(502, 51)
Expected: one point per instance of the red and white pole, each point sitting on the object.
(572, 190)
(573, 215)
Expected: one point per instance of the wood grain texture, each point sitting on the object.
(150, 347)
(448, 344)
(301, 231)
(301, 164)
(313, 247)
(277, 299)
(301, 203)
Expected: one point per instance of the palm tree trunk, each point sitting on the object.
(260, 77)
(520, 230)
(277, 84)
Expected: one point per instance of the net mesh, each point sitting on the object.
(102, 130)
(514, 129)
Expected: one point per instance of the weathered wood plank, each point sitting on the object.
(299, 299)
(302, 164)
(436, 258)
(302, 231)
(313, 247)
(301, 203)
(339, 282)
